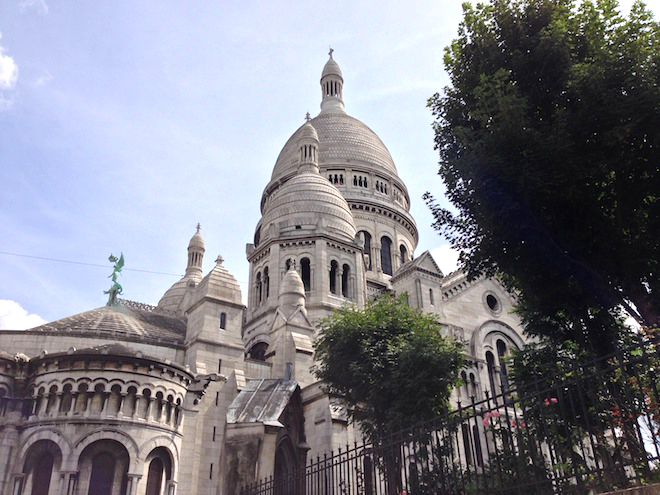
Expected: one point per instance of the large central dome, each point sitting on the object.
(342, 138)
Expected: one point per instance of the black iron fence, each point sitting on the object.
(594, 426)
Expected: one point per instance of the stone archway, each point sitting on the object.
(103, 468)
(41, 466)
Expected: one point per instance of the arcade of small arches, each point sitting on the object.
(99, 398)
(380, 185)
(102, 463)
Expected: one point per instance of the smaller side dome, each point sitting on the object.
(308, 147)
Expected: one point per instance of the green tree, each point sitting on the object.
(389, 363)
(549, 142)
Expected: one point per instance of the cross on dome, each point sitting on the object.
(307, 117)
(330, 52)
(219, 260)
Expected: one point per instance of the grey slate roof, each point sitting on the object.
(261, 401)
(130, 321)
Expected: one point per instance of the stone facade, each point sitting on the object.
(201, 394)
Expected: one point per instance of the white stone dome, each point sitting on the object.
(197, 241)
(341, 138)
(307, 204)
(331, 68)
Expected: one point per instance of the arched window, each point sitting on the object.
(266, 282)
(355, 180)
(404, 254)
(223, 321)
(386, 255)
(490, 364)
(345, 278)
(501, 355)
(288, 263)
(431, 297)
(305, 274)
(367, 246)
(259, 288)
(334, 268)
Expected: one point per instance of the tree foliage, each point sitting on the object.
(549, 141)
(389, 363)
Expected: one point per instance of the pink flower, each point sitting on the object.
(513, 423)
(523, 425)
(553, 400)
(485, 421)
(495, 414)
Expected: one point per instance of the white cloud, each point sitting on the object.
(39, 6)
(8, 70)
(446, 258)
(14, 317)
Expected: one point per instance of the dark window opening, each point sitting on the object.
(345, 278)
(258, 351)
(305, 273)
(367, 247)
(404, 254)
(386, 255)
(333, 277)
(223, 320)
(490, 363)
(492, 302)
(267, 282)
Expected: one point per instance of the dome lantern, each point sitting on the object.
(195, 254)
(331, 87)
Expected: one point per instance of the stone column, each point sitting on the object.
(170, 488)
(19, 483)
(136, 410)
(69, 480)
(44, 405)
(150, 402)
(122, 397)
(132, 484)
(72, 407)
(56, 406)
(340, 279)
(375, 249)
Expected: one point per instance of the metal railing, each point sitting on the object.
(594, 427)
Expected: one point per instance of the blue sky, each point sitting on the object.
(124, 123)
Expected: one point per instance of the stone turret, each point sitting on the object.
(174, 296)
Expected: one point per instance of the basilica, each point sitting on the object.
(202, 394)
